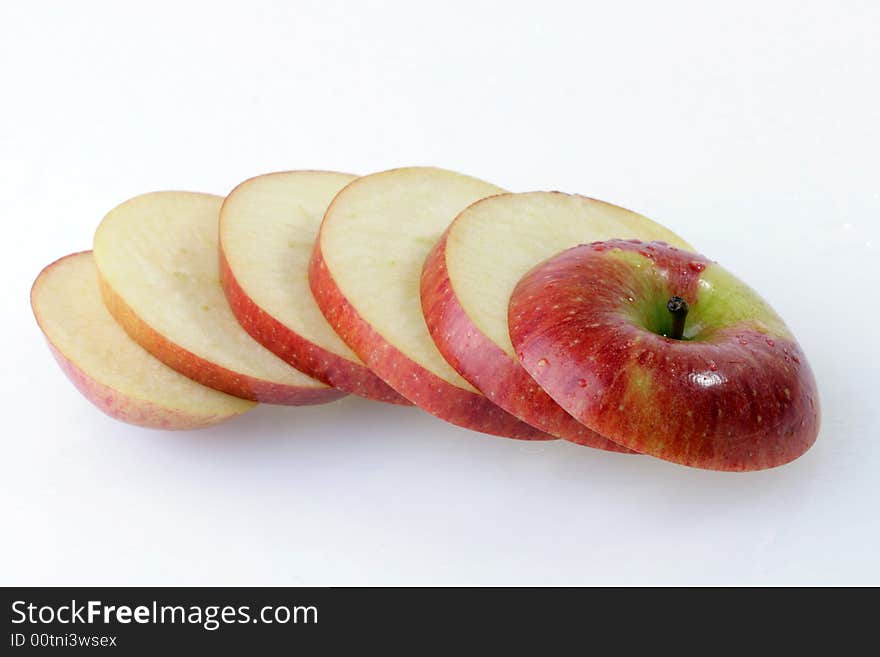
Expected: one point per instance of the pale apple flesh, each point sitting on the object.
(158, 268)
(591, 325)
(365, 275)
(469, 277)
(424, 388)
(268, 226)
(111, 370)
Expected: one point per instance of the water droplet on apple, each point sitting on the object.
(770, 342)
(743, 341)
(696, 266)
(543, 362)
(713, 366)
(582, 383)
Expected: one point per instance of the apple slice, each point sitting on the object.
(667, 353)
(470, 274)
(268, 226)
(158, 267)
(365, 277)
(109, 368)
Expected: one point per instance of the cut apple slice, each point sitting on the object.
(158, 267)
(471, 273)
(268, 227)
(365, 277)
(109, 368)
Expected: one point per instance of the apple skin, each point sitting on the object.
(737, 394)
(422, 387)
(127, 409)
(204, 371)
(299, 352)
(489, 368)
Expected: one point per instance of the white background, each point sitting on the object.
(753, 130)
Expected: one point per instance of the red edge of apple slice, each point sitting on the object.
(299, 352)
(457, 337)
(712, 405)
(205, 372)
(143, 413)
(450, 403)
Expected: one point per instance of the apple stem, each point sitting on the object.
(679, 309)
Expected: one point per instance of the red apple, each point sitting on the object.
(666, 353)
(111, 370)
(160, 278)
(268, 226)
(365, 275)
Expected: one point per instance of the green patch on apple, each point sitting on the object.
(719, 300)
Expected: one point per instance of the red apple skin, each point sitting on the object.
(302, 354)
(121, 407)
(744, 399)
(206, 372)
(420, 386)
(487, 367)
